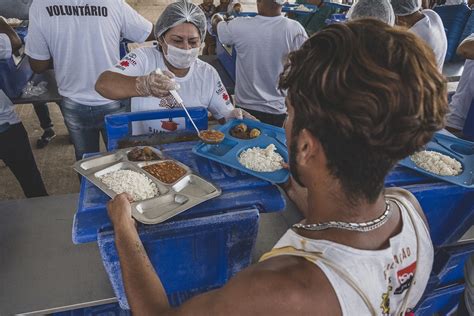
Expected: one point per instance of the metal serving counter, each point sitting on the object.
(52, 95)
(42, 271)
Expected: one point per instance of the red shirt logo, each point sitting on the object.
(225, 96)
(124, 63)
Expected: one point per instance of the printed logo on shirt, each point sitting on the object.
(405, 277)
(398, 259)
(127, 61)
(222, 92)
(75, 10)
(220, 88)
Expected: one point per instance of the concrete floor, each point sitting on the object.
(54, 161)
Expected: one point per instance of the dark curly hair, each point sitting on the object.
(371, 94)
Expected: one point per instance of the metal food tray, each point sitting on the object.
(461, 150)
(228, 151)
(174, 198)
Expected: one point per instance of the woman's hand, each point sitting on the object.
(157, 85)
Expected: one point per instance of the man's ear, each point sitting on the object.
(308, 147)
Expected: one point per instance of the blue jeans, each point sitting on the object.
(85, 124)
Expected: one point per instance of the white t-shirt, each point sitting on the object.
(462, 99)
(262, 43)
(201, 87)
(83, 38)
(7, 114)
(431, 29)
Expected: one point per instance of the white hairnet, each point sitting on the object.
(405, 7)
(178, 13)
(377, 9)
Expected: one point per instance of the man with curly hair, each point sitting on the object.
(361, 96)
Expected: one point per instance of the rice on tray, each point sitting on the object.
(437, 163)
(261, 159)
(136, 184)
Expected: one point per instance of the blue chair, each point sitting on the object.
(469, 28)
(454, 19)
(468, 129)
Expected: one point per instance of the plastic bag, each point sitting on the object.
(30, 90)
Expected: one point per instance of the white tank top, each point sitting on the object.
(381, 278)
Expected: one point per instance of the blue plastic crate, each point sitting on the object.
(454, 19)
(190, 256)
(239, 190)
(449, 263)
(441, 301)
(118, 126)
(448, 208)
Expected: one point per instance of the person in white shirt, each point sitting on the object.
(180, 32)
(464, 96)
(377, 9)
(262, 44)
(81, 39)
(427, 24)
(15, 149)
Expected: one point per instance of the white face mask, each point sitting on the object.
(181, 58)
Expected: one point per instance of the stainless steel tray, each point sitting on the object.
(173, 199)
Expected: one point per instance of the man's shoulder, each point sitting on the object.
(291, 283)
(292, 25)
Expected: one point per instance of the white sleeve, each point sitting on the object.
(457, 115)
(224, 33)
(220, 105)
(36, 46)
(300, 37)
(462, 100)
(5, 46)
(134, 26)
(133, 64)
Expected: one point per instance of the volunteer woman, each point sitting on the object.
(180, 32)
(427, 24)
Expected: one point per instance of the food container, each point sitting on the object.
(228, 151)
(173, 198)
(461, 150)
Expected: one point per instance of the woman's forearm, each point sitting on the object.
(116, 86)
